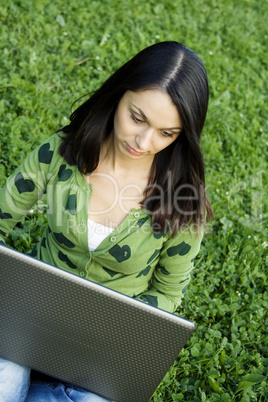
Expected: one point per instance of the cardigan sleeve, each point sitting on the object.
(25, 186)
(173, 271)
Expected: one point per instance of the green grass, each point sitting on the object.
(55, 52)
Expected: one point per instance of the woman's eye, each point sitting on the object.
(167, 134)
(136, 119)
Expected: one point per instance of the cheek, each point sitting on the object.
(172, 140)
(116, 122)
(122, 124)
(162, 144)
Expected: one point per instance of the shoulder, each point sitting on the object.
(52, 144)
(48, 151)
(185, 243)
(44, 159)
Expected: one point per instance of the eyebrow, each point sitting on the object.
(145, 118)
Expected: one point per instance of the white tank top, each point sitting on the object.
(96, 234)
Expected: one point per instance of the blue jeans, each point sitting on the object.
(14, 381)
(15, 386)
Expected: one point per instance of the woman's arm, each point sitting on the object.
(25, 186)
(172, 273)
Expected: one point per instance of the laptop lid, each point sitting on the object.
(83, 333)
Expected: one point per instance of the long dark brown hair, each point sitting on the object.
(175, 196)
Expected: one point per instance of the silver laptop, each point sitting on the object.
(83, 333)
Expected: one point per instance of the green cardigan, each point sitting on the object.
(133, 260)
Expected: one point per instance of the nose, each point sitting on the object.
(144, 139)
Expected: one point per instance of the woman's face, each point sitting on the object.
(145, 123)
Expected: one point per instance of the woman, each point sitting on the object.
(124, 183)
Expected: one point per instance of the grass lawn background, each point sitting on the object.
(54, 52)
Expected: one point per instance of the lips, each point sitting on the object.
(133, 151)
